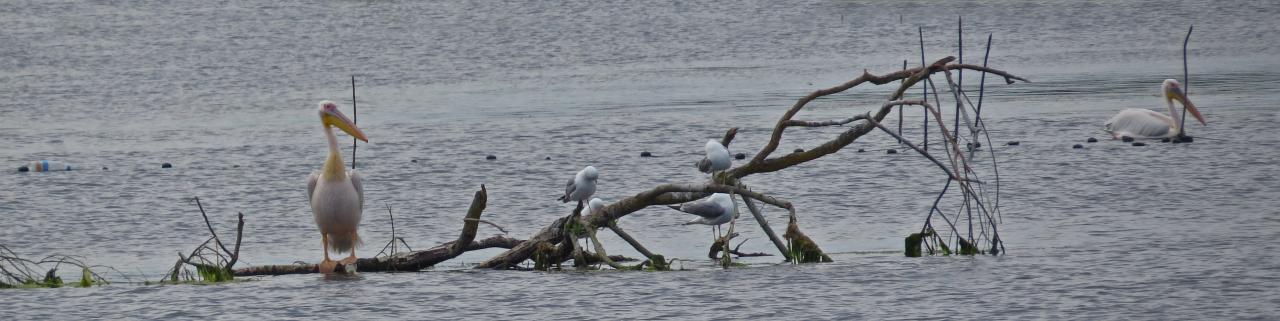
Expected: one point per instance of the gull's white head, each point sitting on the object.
(1173, 91)
(331, 116)
(590, 173)
(596, 204)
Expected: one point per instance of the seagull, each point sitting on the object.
(335, 193)
(581, 186)
(714, 210)
(594, 206)
(717, 158)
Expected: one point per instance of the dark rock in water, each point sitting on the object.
(646, 154)
(1164, 140)
(1013, 143)
(548, 158)
(104, 168)
(491, 157)
(1092, 140)
(1126, 139)
(798, 150)
(1139, 144)
(1077, 146)
(891, 151)
(862, 150)
(235, 166)
(23, 169)
(413, 161)
(740, 156)
(166, 165)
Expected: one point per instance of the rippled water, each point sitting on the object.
(226, 91)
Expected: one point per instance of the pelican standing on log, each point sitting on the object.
(1146, 123)
(336, 194)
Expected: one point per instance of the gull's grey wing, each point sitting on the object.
(705, 208)
(311, 184)
(568, 190)
(704, 165)
(358, 182)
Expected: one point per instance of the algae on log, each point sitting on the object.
(803, 249)
(913, 245)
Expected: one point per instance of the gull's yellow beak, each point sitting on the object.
(1177, 94)
(335, 118)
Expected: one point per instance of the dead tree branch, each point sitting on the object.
(414, 260)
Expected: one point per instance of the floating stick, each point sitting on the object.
(925, 88)
(1185, 83)
(354, 118)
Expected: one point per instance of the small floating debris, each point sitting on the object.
(798, 150)
(1139, 144)
(862, 150)
(1126, 139)
(1077, 146)
(548, 158)
(491, 157)
(646, 154)
(1091, 140)
(166, 165)
(740, 156)
(891, 151)
(1013, 143)
(104, 168)
(413, 161)
(44, 166)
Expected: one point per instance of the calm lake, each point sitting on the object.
(226, 92)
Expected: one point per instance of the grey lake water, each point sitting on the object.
(226, 91)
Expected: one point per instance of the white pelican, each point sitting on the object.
(336, 194)
(581, 186)
(1146, 123)
(714, 210)
(717, 158)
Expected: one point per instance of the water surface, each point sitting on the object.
(226, 92)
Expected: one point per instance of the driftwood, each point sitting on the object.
(215, 262)
(556, 243)
(801, 247)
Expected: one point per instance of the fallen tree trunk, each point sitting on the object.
(801, 248)
(410, 261)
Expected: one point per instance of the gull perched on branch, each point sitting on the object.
(336, 194)
(717, 158)
(582, 186)
(714, 210)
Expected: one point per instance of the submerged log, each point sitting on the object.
(409, 261)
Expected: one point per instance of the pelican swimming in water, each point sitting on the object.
(336, 194)
(1146, 123)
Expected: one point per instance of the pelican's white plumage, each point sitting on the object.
(1146, 123)
(717, 158)
(582, 186)
(336, 194)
